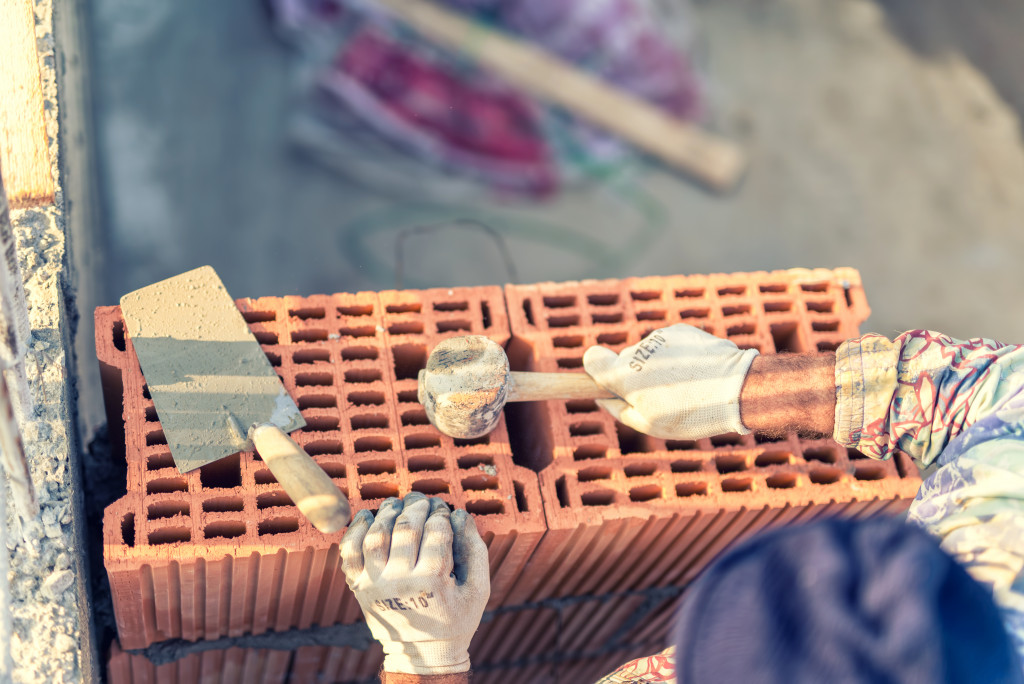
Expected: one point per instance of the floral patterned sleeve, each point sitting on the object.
(660, 667)
(957, 405)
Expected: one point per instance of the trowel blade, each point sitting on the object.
(207, 375)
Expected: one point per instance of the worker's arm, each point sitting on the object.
(421, 576)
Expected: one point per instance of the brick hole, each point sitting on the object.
(730, 463)
(409, 307)
(645, 296)
(356, 310)
(451, 326)
(376, 421)
(313, 379)
(574, 362)
(273, 358)
(375, 443)
(631, 441)
(686, 466)
(825, 326)
(155, 438)
(825, 475)
(226, 529)
(821, 454)
(680, 444)
(694, 313)
(848, 296)
(603, 299)
(606, 318)
(407, 328)
(379, 466)
(117, 332)
(408, 397)
(432, 462)
(415, 418)
(358, 331)
(410, 359)
(820, 307)
(472, 441)
(451, 306)
(827, 346)
(814, 287)
(480, 482)
(612, 338)
(645, 493)
(128, 530)
(784, 337)
(584, 429)
(773, 458)
(777, 307)
(691, 293)
(600, 497)
(782, 481)
(265, 338)
(868, 470)
(735, 310)
(378, 490)
(170, 535)
(278, 526)
(422, 441)
(904, 464)
(160, 461)
(522, 505)
(263, 477)
(224, 504)
(732, 290)
(323, 447)
(471, 461)
(563, 321)
(165, 485)
(765, 438)
(562, 492)
(431, 487)
(560, 302)
(259, 316)
(222, 474)
(737, 484)
(321, 424)
(275, 499)
(528, 311)
(358, 354)
(167, 509)
(581, 406)
(485, 315)
(485, 507)
(684, 489)
(594, 473)
(742, 329)
(358, 399)
(333, 469)
(151, 414)
(145, 392)
(640, 469)
(313, 401)
(568, 341)
(304, 356)
(729, 439)
(307, 314)
(650, 315)
(585, 453)
(773, 287)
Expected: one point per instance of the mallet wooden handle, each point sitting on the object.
(541, 386)
(714, 161)
(314, 493)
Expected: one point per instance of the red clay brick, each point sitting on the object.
(222, 551)
(229, 666)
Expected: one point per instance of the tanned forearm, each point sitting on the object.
(402, 678)
(790, 392)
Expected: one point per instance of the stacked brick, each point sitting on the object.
(221, 552)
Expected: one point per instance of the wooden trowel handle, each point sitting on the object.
(315, 494)
(541, 386)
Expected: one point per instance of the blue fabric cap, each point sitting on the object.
(841, 601)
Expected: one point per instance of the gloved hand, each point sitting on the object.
(421, 576)
(677, 383)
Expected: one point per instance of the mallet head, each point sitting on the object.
(464, 386)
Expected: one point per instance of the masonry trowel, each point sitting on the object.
(216, 393)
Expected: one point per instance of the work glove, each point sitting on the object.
(421, 576)
(677, 383)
